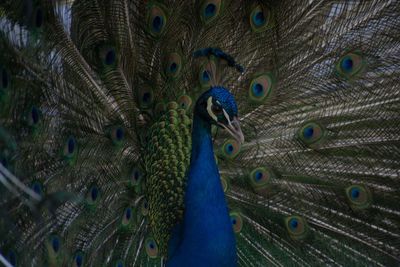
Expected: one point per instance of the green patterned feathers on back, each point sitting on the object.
(167, 161)
(96, 104)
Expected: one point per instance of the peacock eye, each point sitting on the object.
(216, 109)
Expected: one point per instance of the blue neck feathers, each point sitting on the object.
(205, 237)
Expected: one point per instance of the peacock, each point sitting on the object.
(199, 133)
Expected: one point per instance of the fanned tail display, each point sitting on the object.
(96, 114)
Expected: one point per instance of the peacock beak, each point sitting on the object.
(233, 129)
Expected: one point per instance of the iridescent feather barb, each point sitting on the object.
(96, 113)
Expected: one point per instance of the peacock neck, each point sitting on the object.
(207, 230)
(201, 139)
(204, 180)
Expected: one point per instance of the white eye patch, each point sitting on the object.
(227, 117)
(212, 114)
(209, 109)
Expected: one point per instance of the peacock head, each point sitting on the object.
(218, 106)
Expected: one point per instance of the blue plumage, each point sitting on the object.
(205, 237)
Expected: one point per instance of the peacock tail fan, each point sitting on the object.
(96, 103)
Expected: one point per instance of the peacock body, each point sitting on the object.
(120, 142)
